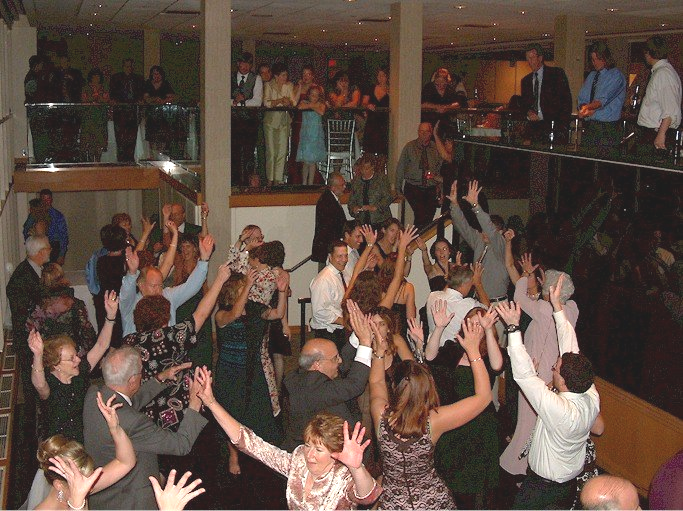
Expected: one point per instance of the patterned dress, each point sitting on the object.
(161, 349)
(410, 479)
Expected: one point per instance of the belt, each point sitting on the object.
(499, 298)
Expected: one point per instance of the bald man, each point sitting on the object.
(316, 386)
(420, 168)
(609, 492)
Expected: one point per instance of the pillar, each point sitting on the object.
(152, 49)
(215, 119)
(405, 59)
(23, 42)
(570, 49)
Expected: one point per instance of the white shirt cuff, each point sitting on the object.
(364, 355)
(353, 340)
(515, 339)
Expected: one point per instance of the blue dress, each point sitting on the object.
(312, 138)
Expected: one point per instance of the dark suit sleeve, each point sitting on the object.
(527, 94)
(334, 392)
(328, 225)
(148, 437)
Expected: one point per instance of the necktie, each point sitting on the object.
(594, 86)
(341, 274)
(242, 80)
(424, 166)
(536, 91)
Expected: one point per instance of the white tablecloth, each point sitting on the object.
(81, 291)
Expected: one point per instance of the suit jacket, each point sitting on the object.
(311, 392)
(134, 491)
(379, 194)
(329, 225)
(556, 98)
(23, 293)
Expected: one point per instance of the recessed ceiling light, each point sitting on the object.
(546, 34)
(459, 7)
(494, 38)
(323, 30)
(522, 12)
(586, 31)
(94, 14)
(194, 26)
(100, 6)
(662, 24)
(458, 28)
(232, 10)
(452, 44)
(360, 22)
(376, 39)
(495, 24)
(346, 44)
(612, 9)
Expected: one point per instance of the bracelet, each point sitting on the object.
(111, 320)
(212, 402)
(370, 244)
(474, 205)
(378, 356)
(476, 360)
(68, 502)
(512, 328)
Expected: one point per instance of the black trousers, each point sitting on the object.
(423, 201)
(540, 493)
(125, 131)
(337, 337)
(244, 133)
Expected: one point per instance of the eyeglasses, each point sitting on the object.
(336, 358)
(72, 359)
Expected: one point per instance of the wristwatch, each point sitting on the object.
(512, 328)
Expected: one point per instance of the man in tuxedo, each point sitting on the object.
(329, 219)
(247, 91)
(122, 371)
(546, 98)
(126, 90)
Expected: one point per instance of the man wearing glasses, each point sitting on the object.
(316, 386)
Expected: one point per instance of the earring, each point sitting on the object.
(60, 496)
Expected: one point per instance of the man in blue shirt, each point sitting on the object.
(600, 101)
(57, 231)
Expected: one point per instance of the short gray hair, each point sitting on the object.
(551, 278)
(35, 244)
(306, 360)
(120, 364)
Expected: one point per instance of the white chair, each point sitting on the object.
(340, 138)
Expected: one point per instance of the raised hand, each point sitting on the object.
(510, 313)
(360, 323)
(415, 331)
(205, 210)
(527, 265)
(79, 485)
(473, 192)
(35, 343)
(282, 281)
(453, 196)
(371, 261)
(421, 243)
(478, 270)
(147, 225)
(224, 273)
(369, 235)
(206, 247)
(440, 313)
(509, 235)
(488, 319)
(204, 391)
(352, 453)
(407, 235)
(458, 258)
(250, 277)
(171, 226)
(111, 303)
(132, 260)
(166, 212)
(555, 292)
(174, 497)
(108, 410)
(171, 372)
(473, 333)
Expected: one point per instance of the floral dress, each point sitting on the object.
(160, 349)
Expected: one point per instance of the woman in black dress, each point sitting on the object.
(376, 137)
(111, 268)
(158, 92)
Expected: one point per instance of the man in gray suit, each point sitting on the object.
(122, 371)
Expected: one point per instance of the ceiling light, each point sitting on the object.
(459, 7)
(586, 32)
(662, 24)
(360, 22)
(100, 6)
(194, 26)
(546, 34)
(376, 39)
(452, 44)
(494, 38)
(323, 30)
(495, 24)
(94, 14)
(232, 10)
(522, 12)
(612, 9)
(458, 28)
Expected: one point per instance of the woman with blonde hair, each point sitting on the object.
(70, 472)
(410, 423)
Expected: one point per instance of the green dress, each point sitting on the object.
(467, 457)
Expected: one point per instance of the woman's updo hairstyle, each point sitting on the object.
(59, 445)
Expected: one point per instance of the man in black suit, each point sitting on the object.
(126, 89)
(546, 98)
(122, 371)
(247, 91)
(316, 386)
(329, 219)
(23, 292)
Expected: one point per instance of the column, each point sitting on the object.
(23, 44)
(152, 49)
(570, 49)
(215, 119)
(405, 46)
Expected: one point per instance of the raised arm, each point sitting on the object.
(440, 147)
(459, 221)
(566, 335)
(352, 456)
(509, 258)
(125, 458)
(370, 240)
(478, 284)
(441, 319)
(147, 228)
(488, 322)
(282, 295)
(406, 236)
(35, 343)
(111, 307)
(205, 220)
(426, 262)
(453, 416)
(206, 305)
(224, 317)
(169, 256)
